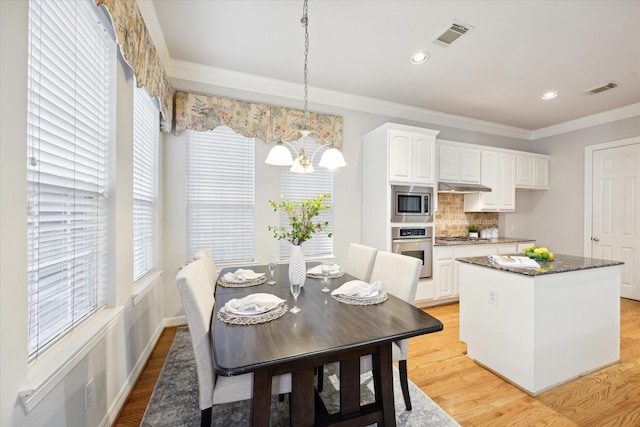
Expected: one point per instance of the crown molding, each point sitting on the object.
(588, 121)
(184, 70)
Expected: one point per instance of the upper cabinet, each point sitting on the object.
(532, 171)
(499, 173)
(458, 163)
(411, 157)
(407, 154)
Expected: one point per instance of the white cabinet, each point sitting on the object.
(498, 173)
(444, 286)
(411, 157)
(507, 194)
(532, 171)
(392, 154)
(444, 272)
(458, 163)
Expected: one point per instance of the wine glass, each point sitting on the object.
(272, 269)
(295, 291)
(326, 271)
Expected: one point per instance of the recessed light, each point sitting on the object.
(420, 57)
(549, 95)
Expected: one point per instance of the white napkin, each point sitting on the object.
(241, 275)
(358, 289)
(253, 304)
(514, 261)
(317, 270)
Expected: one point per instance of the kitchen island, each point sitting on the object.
(541, 327)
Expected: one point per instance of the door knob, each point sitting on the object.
(595, 239)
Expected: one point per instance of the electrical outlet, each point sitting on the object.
(492, 297)
(89, 394)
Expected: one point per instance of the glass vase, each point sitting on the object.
(297, 266)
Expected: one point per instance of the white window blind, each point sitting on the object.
(68, 124)
(296, 187)
(145, 178)
(220, 194)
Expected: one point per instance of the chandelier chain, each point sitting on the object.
(305, 23)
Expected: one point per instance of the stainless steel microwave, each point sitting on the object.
(411, 204)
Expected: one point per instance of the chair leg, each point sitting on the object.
(404, 383)
(205, 417)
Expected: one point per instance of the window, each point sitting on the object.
(71, 65)
(145, 178)
(220, 194)
(296, 187)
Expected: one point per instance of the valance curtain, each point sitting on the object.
(203, 112)
(140, 53)
(253, 120)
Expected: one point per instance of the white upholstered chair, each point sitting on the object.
(359, 261)
(212, 273)
(198, 301)
(358, 264)
(399, 275)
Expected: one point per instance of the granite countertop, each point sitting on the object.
(560, 264)
(495, 241)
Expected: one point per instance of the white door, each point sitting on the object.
(616, 212)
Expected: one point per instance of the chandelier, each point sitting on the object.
(281, 154)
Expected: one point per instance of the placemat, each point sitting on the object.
(253, 282)
(236, 319)
(356, 301)
(332, 276)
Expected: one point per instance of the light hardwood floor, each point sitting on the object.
(476, 397)
(133, 410)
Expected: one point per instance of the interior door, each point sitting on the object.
(616, 212)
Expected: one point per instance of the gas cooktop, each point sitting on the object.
(462, 239)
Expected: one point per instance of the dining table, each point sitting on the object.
(324, 332)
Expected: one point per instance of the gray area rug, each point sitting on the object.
(175, 398)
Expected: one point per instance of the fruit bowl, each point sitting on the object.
(536, 253)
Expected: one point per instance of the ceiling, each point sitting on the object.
(497, 72)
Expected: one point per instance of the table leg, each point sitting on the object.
(302, 398)
(349, 386)
(261, 402)
(385, 384)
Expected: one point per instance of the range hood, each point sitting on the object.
(454, 187)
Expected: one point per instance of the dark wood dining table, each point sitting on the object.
(325, 331)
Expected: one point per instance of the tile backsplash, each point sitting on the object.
(452, 220)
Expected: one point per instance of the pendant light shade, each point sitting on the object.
(279, 155)
(332, 158)
(297, 167)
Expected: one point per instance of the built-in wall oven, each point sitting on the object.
(416, 242)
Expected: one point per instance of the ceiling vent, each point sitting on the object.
(452, 33)
(602, 88)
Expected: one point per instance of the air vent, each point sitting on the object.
(453, 33)
(602, 88)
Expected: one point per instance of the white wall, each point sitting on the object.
(115, 360)
(555, 218)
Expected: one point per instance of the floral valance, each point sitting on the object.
(140, 53)
(253, 120)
